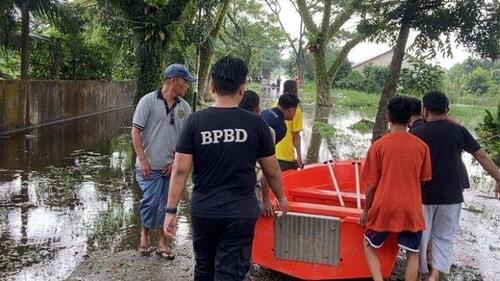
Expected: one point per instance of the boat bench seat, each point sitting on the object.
(317, 193)
(324, 210)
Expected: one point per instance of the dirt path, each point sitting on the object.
(128, 265)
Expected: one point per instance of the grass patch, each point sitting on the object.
(66, 176)
(107, 225)
(326, 130)
(469, 115)
(354, 99)
(363, 126)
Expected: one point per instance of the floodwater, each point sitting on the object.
(68, 189)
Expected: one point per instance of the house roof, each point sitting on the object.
(377, 56)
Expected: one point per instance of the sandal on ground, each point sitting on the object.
(146, 251)
(166, 254)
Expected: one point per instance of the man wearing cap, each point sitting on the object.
(158, 120)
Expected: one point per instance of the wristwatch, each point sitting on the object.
(171, 210)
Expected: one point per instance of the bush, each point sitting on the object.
(419, 77)
(479, 81)
(375, 77)
(489, 134)
(65, 59)
(371, 80)
(354, 80)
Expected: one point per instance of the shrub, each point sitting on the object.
(354, 80)
(479, 81)
(489, 134)
(375, 77)
(419, 77)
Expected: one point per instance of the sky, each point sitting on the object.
(363, 51)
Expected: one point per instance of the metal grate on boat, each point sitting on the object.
(308, 238)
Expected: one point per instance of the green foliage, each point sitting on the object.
(355, 81)
(65, 176)
(363, 126)
(309, 68)
(252, 33)
(375, 77)
(475, 81)
(326, 130)
(479, 81)
(10, 64)
(371, 80)
(420, 77)
(80, 61)
(489, 133)
(355, 99)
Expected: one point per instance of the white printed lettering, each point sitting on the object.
(206, 137)
(228, 135)
(241, 135)
(217, 135)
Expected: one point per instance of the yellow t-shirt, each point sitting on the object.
(285, 150)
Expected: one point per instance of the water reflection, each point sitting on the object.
(64, 190)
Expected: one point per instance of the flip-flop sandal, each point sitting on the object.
(146, 251)
(166, 255)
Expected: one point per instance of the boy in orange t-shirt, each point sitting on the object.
(395, 166)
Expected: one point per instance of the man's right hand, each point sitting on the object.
(268, 208)
(283, 205)
(145, 168)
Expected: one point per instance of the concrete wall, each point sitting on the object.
(35, 103)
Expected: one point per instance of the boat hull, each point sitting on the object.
(311, 192)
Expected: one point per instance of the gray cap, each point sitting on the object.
(178, 70)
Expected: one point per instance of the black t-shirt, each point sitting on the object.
(417, 123)
(446, 141)
(276, 120)
(225, 144)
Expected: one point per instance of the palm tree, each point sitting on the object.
(9, 33)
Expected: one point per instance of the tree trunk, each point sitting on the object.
(25, 40)
(320, 115)
(323, 81)
(392, 81)
(206, 54)
(149, 64)
(299, 60)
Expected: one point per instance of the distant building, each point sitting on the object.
(383, 59)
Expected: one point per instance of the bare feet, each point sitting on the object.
(144, 247)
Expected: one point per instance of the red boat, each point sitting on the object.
(320, 238)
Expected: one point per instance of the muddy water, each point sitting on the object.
(68, 190)
(63, 189)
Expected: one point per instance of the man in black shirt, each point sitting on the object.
(442, 196)
(276, 116)
(223, 143)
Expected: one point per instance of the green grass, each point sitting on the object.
(469, 115)
(349, 100)
(254, 86)
(363, 126)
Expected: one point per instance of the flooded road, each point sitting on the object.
(68, 190)
(63, 190)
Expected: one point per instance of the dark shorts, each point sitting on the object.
(409, 241)
(287, 165)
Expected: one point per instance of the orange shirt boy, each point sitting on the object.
(395, 166)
